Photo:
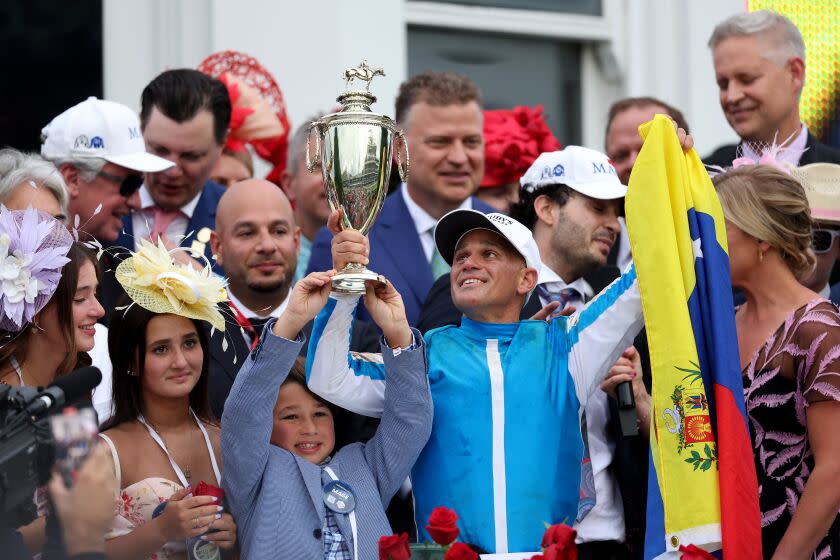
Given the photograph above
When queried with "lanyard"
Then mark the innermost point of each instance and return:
(351, 515)
(178, 472)
(246, 325)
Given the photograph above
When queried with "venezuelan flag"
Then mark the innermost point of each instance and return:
(702, 489)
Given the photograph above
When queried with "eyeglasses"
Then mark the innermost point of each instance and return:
(128, 184)
(823, 239)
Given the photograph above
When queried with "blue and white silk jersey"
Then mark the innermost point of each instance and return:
(505, 449)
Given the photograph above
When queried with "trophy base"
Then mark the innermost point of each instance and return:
(353, 281)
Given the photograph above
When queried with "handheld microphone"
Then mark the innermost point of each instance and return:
(626, 409)
(66, 388)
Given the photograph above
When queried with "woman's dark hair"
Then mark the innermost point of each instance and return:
(524, 212)
(63, 298)
(127, 346)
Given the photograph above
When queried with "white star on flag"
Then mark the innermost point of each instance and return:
(696, 249)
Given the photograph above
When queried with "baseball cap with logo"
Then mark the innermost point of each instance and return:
(99, 129)
(457, 223)
(587, 171)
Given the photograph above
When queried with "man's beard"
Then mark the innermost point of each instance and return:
(280, 287)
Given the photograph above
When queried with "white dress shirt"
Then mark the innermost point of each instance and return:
(605, 522)
(142, 220)
(424, 223)
(276, 312)
(102, 396)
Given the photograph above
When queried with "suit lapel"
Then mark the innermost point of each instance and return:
(311, 475)
(203, 216)
(401, 242)
(810, 153)
(126, 237)
(342, 520)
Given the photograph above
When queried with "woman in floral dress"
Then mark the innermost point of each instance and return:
(789, 342)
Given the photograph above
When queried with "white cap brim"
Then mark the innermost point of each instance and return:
(604, 190)
(451, 228)
(140, 161)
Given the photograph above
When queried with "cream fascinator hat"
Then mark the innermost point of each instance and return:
(154, 281)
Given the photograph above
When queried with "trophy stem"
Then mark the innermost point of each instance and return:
(353, 277)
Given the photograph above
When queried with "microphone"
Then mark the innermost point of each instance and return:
(626, 409)
(66, 388)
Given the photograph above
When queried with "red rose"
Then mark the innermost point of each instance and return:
(442, 526)
(204, 489)
(561, 535)
(557, 552)
(460, 551)
(394, 547)
(692, 552)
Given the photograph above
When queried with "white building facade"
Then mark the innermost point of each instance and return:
(574, 62)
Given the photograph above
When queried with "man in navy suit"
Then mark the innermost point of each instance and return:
(441, 115)
(185, 117)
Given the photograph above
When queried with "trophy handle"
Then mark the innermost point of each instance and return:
(403, 169)
(311, 162)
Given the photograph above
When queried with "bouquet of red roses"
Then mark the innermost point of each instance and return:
(443, 528)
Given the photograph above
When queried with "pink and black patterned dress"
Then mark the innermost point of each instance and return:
(798, 365)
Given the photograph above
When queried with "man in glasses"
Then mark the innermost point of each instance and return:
(98, 147)
(822, 187)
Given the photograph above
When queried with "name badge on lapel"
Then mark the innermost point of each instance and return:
(339, 497)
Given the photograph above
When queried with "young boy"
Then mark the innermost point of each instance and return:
(291, 496)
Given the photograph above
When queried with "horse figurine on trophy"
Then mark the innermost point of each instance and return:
(362, 72)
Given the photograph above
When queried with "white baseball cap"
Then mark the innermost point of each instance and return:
(587, 171)
(457, 223)
(99, 129)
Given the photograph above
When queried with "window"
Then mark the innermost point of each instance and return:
(510, 70)
(52, 60)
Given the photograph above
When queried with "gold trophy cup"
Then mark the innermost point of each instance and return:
(353, 147)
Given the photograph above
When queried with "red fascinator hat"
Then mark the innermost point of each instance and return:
(258, 114)
(513, 139)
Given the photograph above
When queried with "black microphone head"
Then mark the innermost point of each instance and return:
(78, 383)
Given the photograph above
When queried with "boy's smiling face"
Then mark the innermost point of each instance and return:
(302, 424)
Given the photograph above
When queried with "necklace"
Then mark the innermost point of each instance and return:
(185, 468)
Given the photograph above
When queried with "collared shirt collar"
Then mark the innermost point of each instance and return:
(423, 222)
(792, 153)
(187, 209)
(251, 313)
(548, 276)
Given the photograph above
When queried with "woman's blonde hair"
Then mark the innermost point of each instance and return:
(771, 206)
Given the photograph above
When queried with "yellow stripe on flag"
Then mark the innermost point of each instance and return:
(664, 185)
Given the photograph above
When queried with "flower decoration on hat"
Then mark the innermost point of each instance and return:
(258, 114)
(154, 281)
(33, 250)
(513, 139)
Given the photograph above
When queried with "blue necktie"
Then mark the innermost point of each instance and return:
(439, 266)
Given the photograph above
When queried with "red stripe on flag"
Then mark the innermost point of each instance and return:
(739, 510)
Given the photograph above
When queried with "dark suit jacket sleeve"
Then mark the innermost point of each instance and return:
(438, 310)
(321, 256)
